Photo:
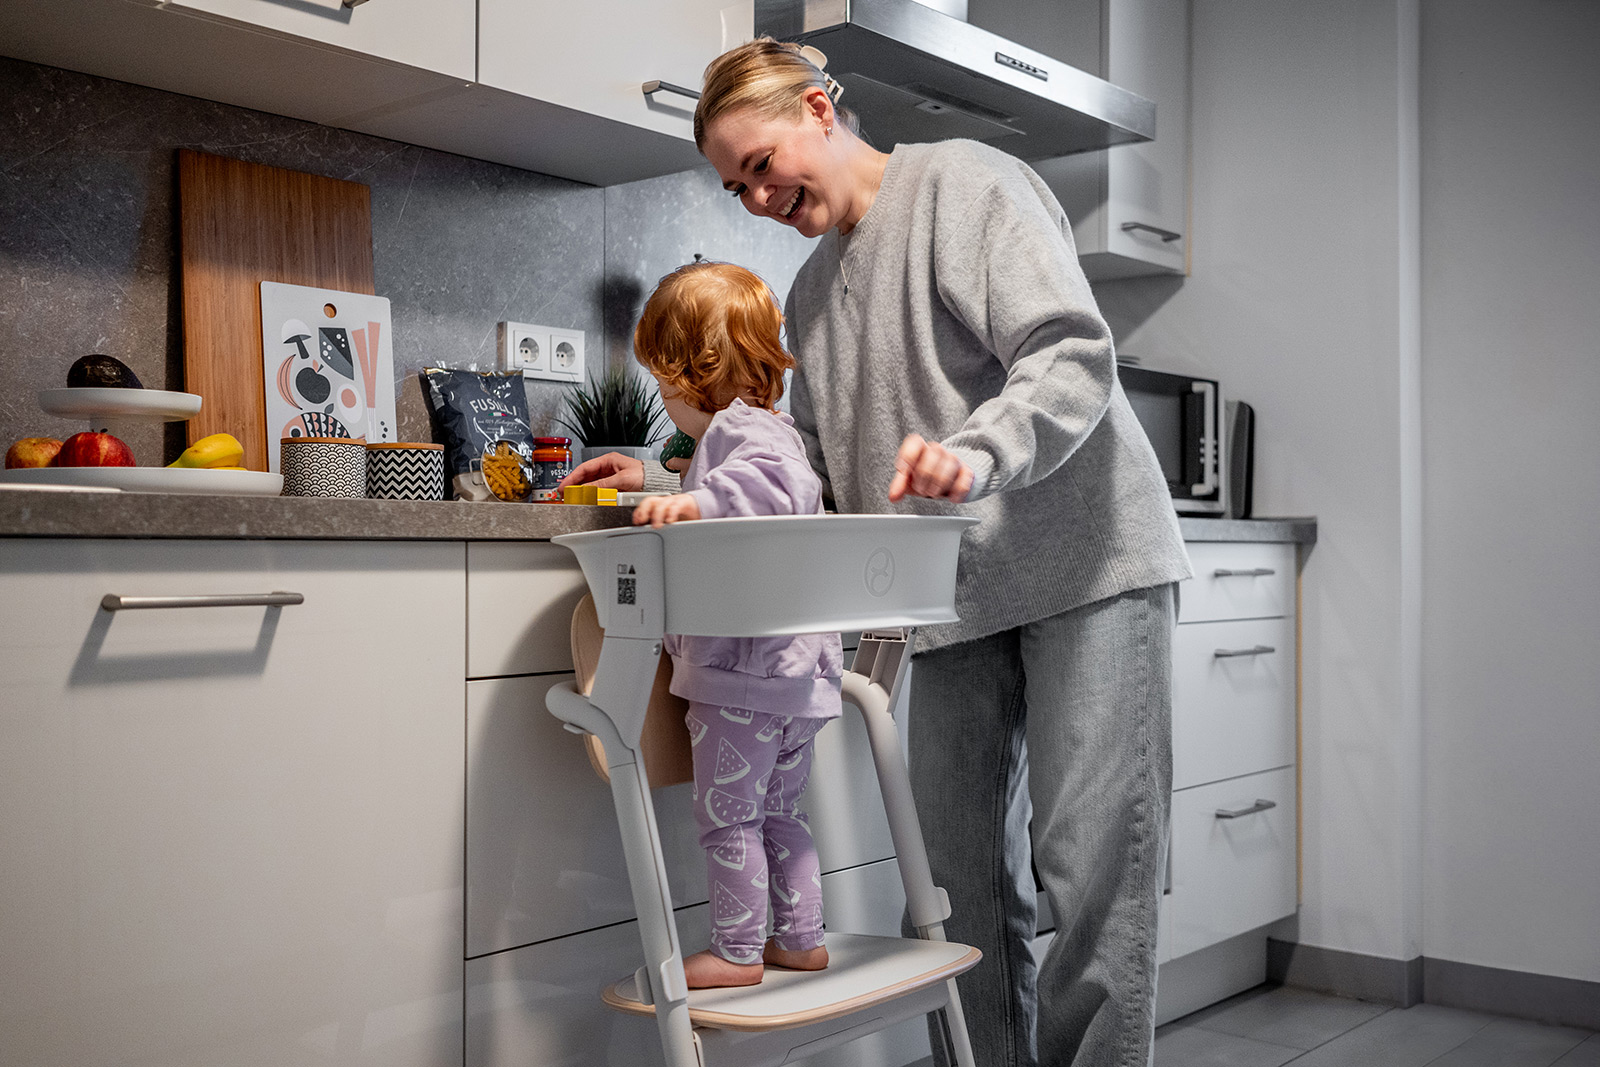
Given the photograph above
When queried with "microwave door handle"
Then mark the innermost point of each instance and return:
(1208, 441)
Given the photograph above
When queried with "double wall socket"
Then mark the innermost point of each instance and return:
(547, 352)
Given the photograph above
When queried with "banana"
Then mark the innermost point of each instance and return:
(217, 451)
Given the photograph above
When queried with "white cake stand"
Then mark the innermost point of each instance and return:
(115, 411)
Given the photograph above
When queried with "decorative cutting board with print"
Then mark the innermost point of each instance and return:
(328, 364)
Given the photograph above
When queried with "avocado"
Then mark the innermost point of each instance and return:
(103, 372)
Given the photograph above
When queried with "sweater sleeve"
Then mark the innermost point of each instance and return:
(658, 479)
(1006, 267)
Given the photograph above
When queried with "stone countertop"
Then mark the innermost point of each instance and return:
(32, 513)
(1300, 530)
(36, 513)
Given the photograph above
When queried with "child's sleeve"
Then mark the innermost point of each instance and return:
(755, 473)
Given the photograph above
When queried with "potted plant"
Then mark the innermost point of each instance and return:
(620, 412)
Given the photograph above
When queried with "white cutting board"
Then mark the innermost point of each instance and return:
(328, 363)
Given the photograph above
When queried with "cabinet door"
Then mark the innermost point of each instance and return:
(594, 56)
(436, 35)
(1237, 580)
(1232, 699)
(1231, 875)
(231, 834)
(520, 597)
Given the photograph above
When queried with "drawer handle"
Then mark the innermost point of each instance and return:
(1259, 650)
(1167, 236)
(651, 88)
(1259, 805)
(113, 602)
(1254, 572)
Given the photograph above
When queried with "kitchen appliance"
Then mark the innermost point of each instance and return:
(1184, 418)
(913, 73)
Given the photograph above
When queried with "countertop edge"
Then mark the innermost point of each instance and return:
(1299, 529)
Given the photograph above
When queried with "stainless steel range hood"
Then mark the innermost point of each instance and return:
(915, 74)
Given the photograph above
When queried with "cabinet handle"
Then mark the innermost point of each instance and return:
(1259, 805)
(1259, 650)
(1167, 236)
(1255, 572)
(113, 602)
(658, 86)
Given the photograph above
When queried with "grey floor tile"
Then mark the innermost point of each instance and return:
(1585, 1055)
(1513, 1043)
(1410, 1037)
(1181, 1045)
(1281, 1015)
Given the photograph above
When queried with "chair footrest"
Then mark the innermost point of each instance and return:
(862, 971)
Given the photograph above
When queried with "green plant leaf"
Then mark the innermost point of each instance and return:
(617, 409)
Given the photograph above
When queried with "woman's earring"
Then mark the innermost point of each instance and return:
(828, 130)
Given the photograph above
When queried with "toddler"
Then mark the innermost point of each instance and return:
(710, 336)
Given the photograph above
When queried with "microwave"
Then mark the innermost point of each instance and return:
(1184, 417)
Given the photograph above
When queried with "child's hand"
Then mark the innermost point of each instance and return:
(660, 510)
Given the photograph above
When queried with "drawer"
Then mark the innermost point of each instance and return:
(1232, 714)
(1237, 580)
(1231, 875)
(539, 1006)
(520, 597)
(544, 855)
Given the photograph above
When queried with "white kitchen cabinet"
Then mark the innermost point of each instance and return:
(520, 597)
(1232, 699)
(1129, 205)
(436, 35)
(231, 834)
(1233, 857)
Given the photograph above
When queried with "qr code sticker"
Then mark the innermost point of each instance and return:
(627, 590)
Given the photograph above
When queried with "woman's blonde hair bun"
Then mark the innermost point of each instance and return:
(769, 76)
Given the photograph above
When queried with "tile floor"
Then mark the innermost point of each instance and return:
(1273, 1025)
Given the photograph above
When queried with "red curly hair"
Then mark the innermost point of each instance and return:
(710, 331)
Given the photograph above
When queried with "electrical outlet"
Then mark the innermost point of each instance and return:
(566, 355)
(525, 348)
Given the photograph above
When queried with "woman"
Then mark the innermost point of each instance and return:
(952, 359)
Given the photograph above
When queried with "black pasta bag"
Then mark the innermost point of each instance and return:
(482, 417)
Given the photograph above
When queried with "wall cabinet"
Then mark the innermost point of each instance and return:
(231, 834)
(1129, 205)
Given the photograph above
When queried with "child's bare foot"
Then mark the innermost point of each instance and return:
(707, 970)
(807, 959)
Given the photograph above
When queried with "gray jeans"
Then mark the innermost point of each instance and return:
(1067, 720)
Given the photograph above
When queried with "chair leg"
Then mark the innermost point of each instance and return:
(658, 929)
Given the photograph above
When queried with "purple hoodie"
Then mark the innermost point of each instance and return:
(752, 462)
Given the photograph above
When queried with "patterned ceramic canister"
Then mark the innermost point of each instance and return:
(323, 466)
(405, 471)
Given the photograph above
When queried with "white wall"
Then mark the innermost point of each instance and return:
(1300, 263)
(1511, 391)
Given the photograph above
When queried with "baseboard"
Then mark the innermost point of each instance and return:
(1203, 978)
(1540, 997)
(1346, 974)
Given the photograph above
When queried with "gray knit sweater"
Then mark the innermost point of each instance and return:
(968, 320)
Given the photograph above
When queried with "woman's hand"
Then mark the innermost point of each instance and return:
(927, 468)
(660, 510)
(610, 471)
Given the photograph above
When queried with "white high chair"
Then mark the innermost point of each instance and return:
(756, 577)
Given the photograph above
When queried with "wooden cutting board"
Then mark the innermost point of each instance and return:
(241, 224)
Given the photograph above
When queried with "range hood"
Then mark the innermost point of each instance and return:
(916, 74)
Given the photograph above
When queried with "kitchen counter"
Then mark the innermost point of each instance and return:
(1299, 530)
(25, 513)
(33, 513)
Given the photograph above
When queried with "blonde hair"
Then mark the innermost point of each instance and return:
(710, 331)
(770, 76)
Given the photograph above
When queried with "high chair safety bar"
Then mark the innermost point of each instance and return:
(754, 577)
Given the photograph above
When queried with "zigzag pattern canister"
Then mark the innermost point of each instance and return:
(323, 466)
(405, 471)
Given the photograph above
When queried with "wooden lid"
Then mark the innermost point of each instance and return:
(405, 444)
(321, 441)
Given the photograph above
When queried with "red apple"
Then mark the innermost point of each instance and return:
(32, 452)
(93, 450)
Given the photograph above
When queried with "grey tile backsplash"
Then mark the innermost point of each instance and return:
(88, 252)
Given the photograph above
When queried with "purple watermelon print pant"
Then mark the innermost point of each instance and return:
(749, 771)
